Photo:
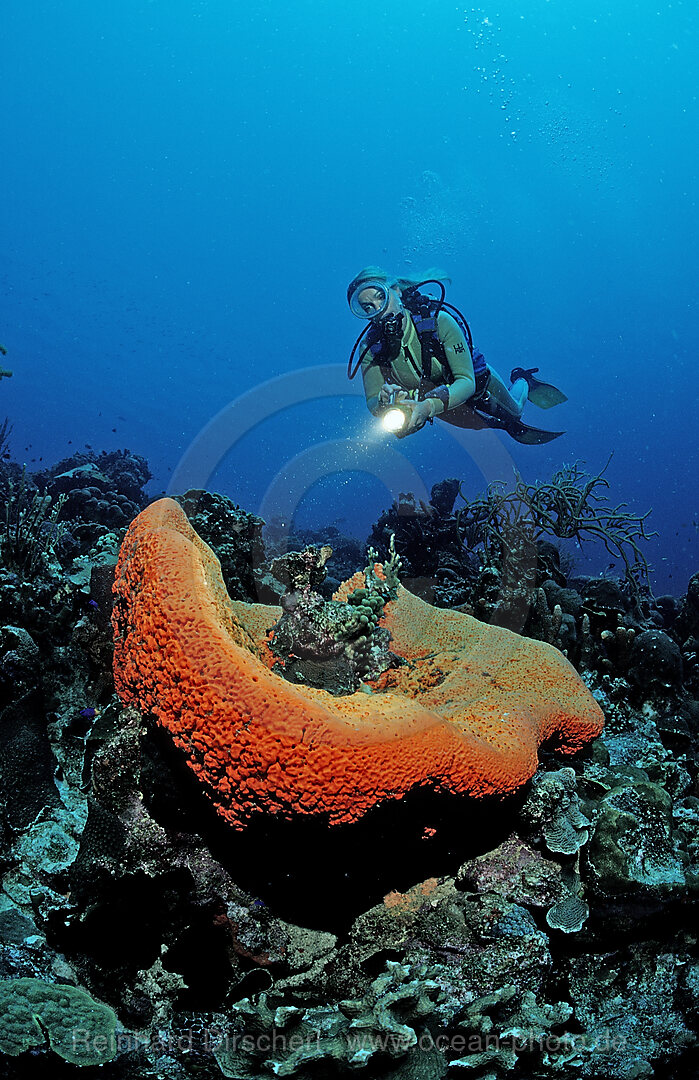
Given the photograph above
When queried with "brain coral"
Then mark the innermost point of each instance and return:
(465, 714)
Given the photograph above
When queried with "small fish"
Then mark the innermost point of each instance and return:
(93, 604)
(88, 713)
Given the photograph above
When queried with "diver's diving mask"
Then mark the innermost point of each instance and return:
(370, 299)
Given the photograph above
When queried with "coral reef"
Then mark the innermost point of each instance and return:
(435, 564)
(493, 555)
(572, 505)
(79, 1030)
(332, 644)
(465, 715)
(100, 492)
(551, 933)
(279, 539)
(236, 538)
(685, 629)
(30, 531)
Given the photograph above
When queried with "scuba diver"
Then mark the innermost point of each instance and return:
(418, 361)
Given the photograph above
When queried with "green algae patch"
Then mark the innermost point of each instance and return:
(78, 1028)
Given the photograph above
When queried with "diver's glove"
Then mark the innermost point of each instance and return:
(391, 392)
(420, 413)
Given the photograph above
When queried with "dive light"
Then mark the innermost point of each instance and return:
(395, 416)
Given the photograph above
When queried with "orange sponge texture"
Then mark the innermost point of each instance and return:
(465, 713)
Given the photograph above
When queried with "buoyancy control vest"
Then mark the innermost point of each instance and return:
(382, 340)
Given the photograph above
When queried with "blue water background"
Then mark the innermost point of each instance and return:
(188, 187)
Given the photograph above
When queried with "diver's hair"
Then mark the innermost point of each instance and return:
(377, 273)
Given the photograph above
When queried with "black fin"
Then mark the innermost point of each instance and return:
(523, 433)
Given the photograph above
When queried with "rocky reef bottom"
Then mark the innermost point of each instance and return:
(550, 934)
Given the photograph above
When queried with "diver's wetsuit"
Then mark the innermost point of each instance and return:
(406, 371)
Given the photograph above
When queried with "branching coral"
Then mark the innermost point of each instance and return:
(572, 505)
(5, 432)
(31, 530)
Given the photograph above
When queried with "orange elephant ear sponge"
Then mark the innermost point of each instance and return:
(466, 714)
